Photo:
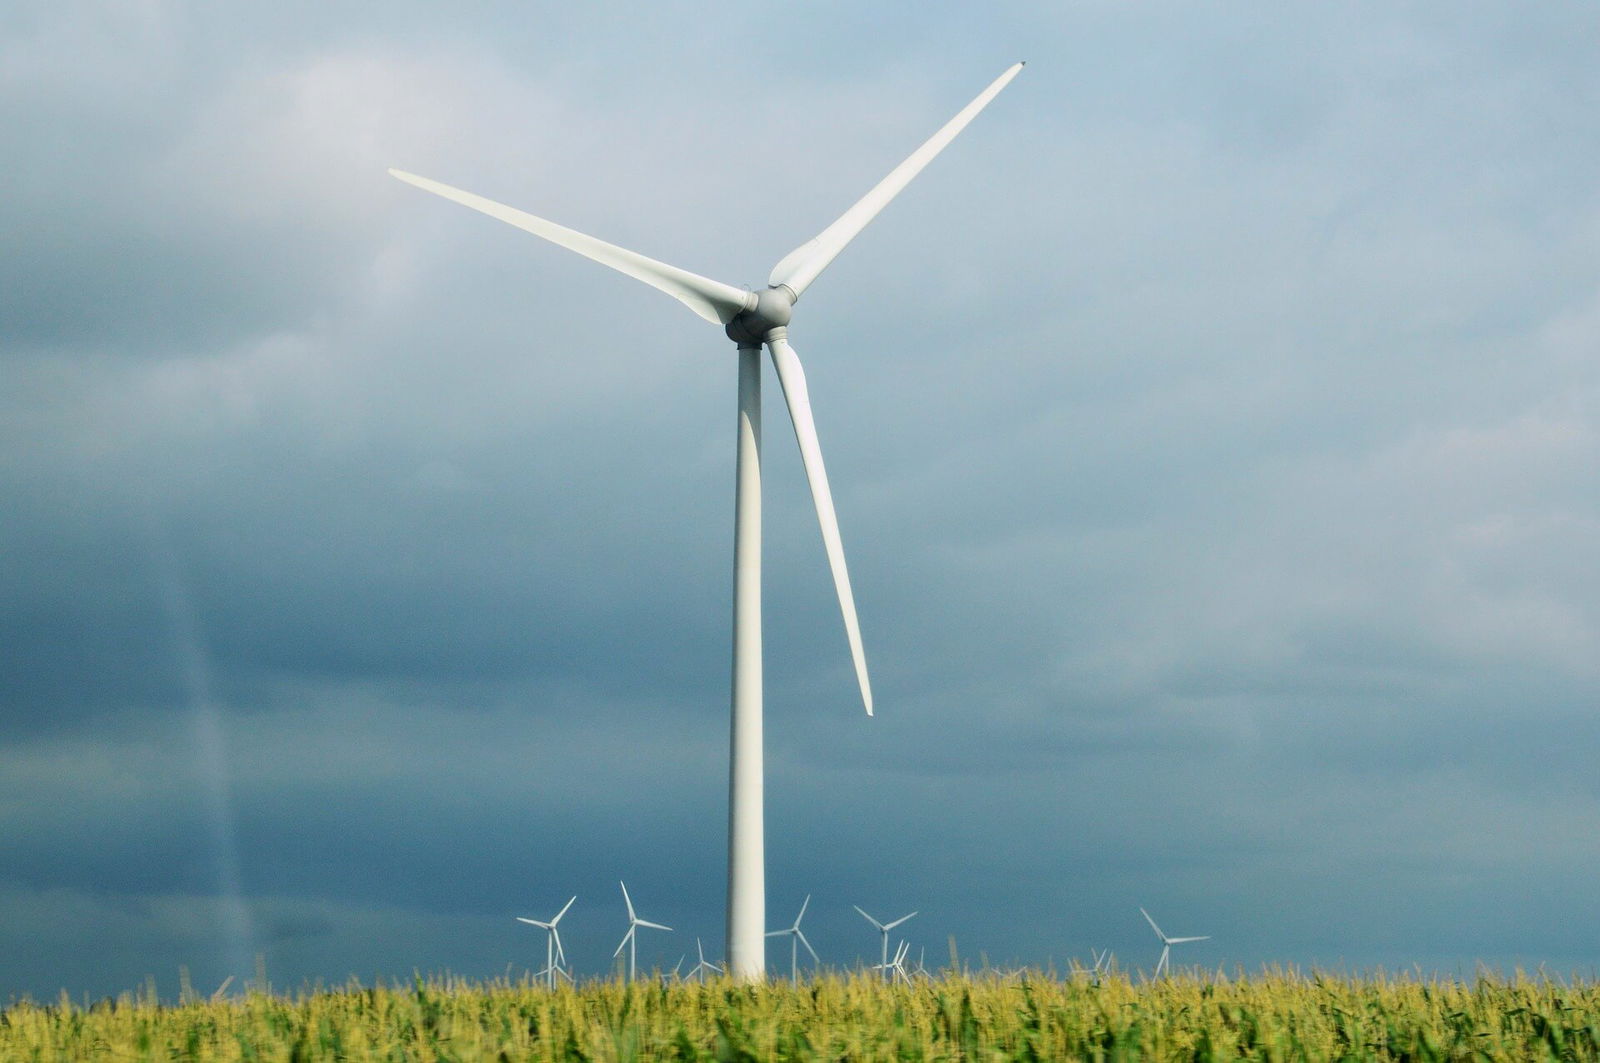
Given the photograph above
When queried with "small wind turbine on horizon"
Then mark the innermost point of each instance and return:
(797, 938)
(1162, 965)
(699, 971)
(751, 319)
(555, 957)
(630, 939)
(895, 970)
(883, 929)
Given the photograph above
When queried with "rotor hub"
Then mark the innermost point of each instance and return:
(773, 308)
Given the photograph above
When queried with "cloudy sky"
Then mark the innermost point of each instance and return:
(1213, 429)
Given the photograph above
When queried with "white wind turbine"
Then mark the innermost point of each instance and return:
(895, 969)
(797, 938)
(554, 956)
(883, 929)
(1166, 944)
(751, 319)
(630, 938)
(704, 967)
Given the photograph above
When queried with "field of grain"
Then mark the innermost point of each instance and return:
(1274, 1015)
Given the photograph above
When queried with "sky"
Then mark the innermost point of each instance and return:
(1213, 431)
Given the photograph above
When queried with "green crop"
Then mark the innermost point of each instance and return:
(1275, 1015)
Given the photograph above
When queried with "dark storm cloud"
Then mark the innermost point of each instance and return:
(1212, 431)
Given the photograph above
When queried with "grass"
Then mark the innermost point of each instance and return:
(1275, 1015)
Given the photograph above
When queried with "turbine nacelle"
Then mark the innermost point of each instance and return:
(766, 310)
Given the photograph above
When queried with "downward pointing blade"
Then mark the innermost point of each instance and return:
(712, 300)
(801, 935)
(623, 943)
(800, 267)
(793, 379)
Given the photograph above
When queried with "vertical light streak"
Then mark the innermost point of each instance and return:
(193, 663)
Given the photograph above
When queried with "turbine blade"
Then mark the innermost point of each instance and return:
(793, 379)
(535, 922)
(800, 267)
(623, 943)
(561, 953)
(778, 933)
(652, 926)
(716, 302)
(628, 901)
(1180, 941)
(562, 912)
(869, 919)
(807, 944)
(897, 922)
(802, 914)
(1152, 923)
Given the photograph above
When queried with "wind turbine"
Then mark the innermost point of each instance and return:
(698, 972)
(1166, 943)
(630, 938)
(797, 938)
(883, 929)
(896, 968)
(751, 319)
(554, 955)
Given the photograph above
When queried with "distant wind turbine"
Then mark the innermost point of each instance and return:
(1166, 944)
(630, 938)
(797, 938)
(883, 929)
(705, 966)
(751, 319)
(896, 969)
(554, 956)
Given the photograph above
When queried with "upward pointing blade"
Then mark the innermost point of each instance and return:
(793, 379)
(628, 901)
(800, 267)
(1152, 923)
(712, 300)
(869, 918)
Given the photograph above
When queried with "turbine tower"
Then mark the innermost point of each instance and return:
(630, 939)
(797, 938)
(1166, 944)
(751, 319)
(554, 956)
(883, 928)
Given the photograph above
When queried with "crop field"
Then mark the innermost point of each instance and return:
(1275, 1015)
